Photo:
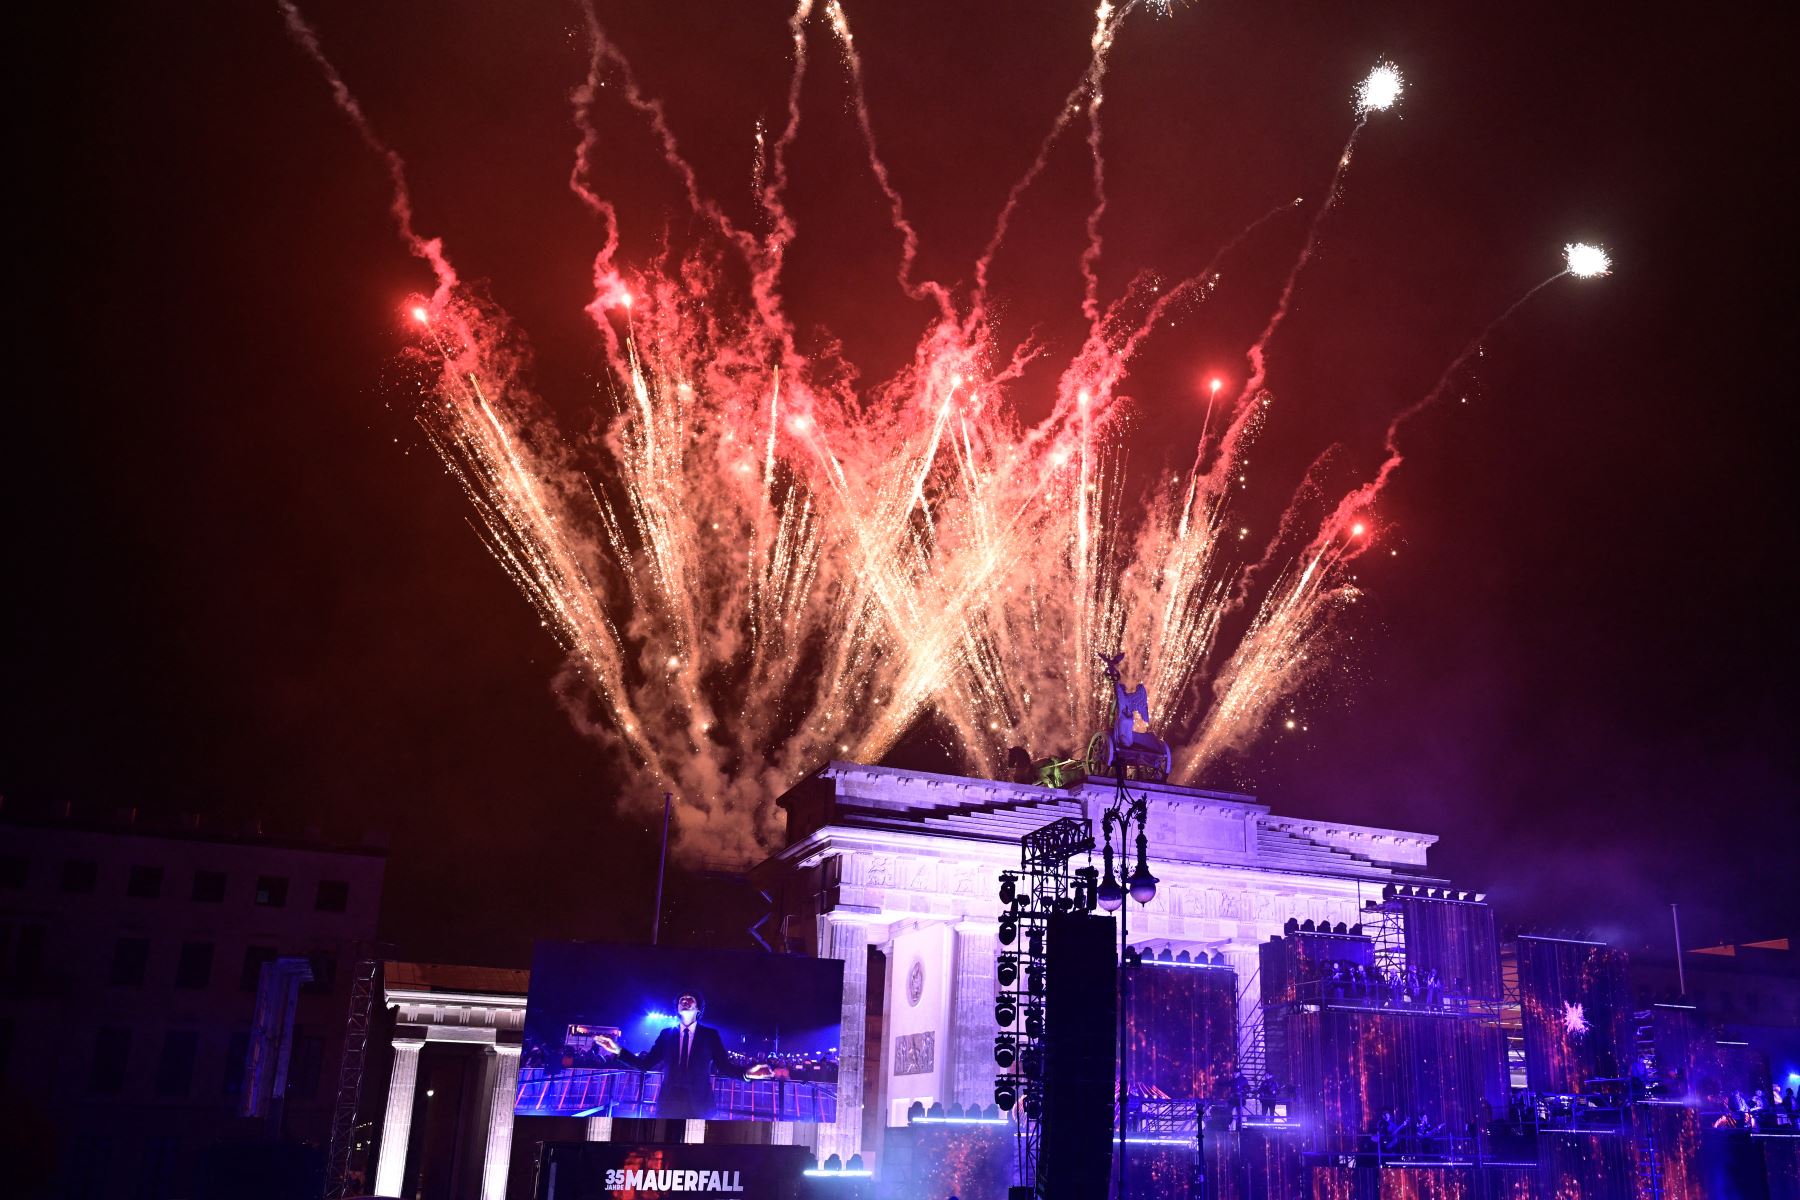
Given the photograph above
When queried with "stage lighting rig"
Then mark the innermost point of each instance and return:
(1006, 1092)
(1007, 968)
(1006, 1050)
(1006, 1011)
(1009, 887)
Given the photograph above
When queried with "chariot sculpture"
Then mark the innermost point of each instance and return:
(1124, 749)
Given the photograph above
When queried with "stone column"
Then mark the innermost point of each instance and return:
(497, 1161)
(971, 1040)
(849, 941)
(396, 1123)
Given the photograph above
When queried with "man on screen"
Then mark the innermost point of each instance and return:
(690, 1054)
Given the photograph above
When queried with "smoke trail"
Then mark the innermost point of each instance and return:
(909, 236)
(430, 250)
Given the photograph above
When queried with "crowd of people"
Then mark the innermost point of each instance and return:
(1394, 1131)
(1763, 1109)
(1367, 983)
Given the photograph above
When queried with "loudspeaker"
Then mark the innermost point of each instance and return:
(1080, 1057)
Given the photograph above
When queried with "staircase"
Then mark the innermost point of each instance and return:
(1646, 1160)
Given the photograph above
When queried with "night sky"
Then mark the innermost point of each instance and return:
(242, 585)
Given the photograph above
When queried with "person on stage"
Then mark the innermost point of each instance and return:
(690, 1055)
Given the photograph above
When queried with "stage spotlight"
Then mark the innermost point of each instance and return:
(1307, 926)
(1034, 1021)
(1009, 887)
(1184, 956)
(1164, 955)
(1341, 928)
(855, 1163)
(833, 1163)
(1006, 1093)
(1356, 929)
(1006, 1050)
(1217, 959)
(1005, 1011)
(1006, 968)
(1033, 1102)
(1009, 929)
(1389, 892)
(1031, 1062)
(936, 1109)
(914, 1111)
(1087, 881)
(1034, 940)
(991, 1112)
(1292, 925)
(1480, 897)
(1034, 978)
(955, 1110)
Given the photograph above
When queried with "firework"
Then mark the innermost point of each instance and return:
(777, 568)
(1586, 262)
(1381, 90)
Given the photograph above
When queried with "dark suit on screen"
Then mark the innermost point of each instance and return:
(687, 1077)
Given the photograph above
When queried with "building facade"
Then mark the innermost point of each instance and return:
(895, 873)
(898, 870)
(130, 957)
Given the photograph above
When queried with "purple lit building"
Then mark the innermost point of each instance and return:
(130, 957)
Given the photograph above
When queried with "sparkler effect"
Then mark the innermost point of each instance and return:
(1381, 90)
(779, 567)
(1585, 261)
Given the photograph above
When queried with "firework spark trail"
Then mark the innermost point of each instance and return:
(430, 250)
(1361, 499)
(784, 568)
(865, 123)
(1107, 22)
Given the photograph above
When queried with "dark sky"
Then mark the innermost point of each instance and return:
(242, 585)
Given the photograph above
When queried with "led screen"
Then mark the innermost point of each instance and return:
(643, 1031)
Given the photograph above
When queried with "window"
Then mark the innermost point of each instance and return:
(80, 875)
(194, 968)
(15, 868)
(271, 891)
(144, 883)
(254, 958)
(23, 955)
(236, 1051)
(131, 958)
(175, 1069)
(303, 1067)
(324, 975)
(112, 1051)
(334, 896)
(209, 886)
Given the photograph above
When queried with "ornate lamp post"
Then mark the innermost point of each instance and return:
(1141, 886)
